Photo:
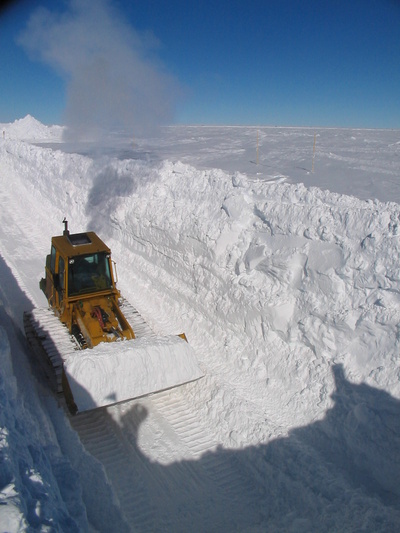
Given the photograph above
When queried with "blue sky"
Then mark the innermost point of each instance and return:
(261, 62)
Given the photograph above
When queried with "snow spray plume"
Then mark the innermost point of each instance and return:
(113, 82)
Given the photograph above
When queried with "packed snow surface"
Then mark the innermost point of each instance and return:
(276, 250)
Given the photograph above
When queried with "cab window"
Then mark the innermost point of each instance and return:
(61, 267)
(89, 273)
(53, 259)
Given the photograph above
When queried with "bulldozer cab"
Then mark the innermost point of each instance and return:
(78, 266)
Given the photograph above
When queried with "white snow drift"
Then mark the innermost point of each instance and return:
(286, 293)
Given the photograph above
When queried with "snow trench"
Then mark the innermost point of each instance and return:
(289, 297)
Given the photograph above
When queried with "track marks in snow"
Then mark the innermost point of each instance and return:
(223, 476)
(196, 485)
(184, 422)
(101, 438)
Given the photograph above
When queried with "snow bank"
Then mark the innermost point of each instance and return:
(30, 129)
(39, 490)
(286, 280)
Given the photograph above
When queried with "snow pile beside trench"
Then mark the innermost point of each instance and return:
(39, 489)
(287, 280)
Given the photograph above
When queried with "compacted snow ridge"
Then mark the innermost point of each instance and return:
(286, 283)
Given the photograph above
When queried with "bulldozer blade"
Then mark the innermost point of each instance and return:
(119, 371)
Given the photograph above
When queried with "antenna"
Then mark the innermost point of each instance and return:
(313, 154)
(257, 148)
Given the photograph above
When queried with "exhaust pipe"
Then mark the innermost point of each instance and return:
(66, 231)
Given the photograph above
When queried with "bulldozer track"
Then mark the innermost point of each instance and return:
(49, 339)
(140, 327)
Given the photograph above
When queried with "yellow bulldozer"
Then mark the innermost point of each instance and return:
(96, 347)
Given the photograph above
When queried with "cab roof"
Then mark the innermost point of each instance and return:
(71, 245)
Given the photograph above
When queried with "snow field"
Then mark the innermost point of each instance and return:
(288, 295)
